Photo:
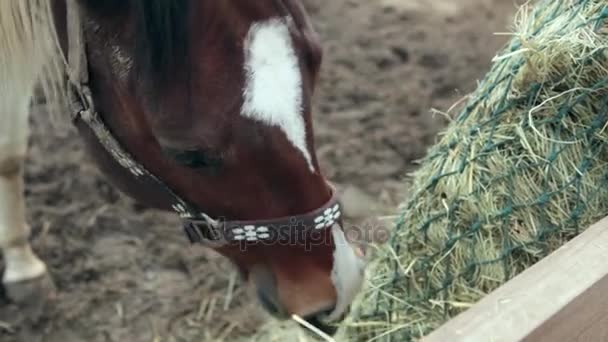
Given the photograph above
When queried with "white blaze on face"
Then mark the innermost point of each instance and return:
(347, 274)
(273, 90)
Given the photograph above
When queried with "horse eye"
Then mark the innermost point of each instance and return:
(194, 158)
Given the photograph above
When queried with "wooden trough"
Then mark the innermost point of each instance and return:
(563, 297)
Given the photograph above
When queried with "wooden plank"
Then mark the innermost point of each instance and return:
(563, 297)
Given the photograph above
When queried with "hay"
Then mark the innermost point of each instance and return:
(521, 170)
(281, 331)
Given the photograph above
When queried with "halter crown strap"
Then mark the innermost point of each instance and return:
(77, 59)
(198, 226)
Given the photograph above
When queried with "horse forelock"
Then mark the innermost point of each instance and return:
(161, 37)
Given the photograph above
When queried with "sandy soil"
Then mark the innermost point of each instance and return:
(125, 273)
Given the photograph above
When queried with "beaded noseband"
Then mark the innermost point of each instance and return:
(198, 226)
(280, 229)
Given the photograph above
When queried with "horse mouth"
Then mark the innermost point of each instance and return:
(315, 326)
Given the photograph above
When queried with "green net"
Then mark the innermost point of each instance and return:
(520, 171)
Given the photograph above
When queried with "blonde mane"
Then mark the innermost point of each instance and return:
(30, 56)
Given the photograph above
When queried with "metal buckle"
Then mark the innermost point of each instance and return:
(203, 232)
(192, 232)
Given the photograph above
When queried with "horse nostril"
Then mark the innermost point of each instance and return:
(267, 291)
(269, 304)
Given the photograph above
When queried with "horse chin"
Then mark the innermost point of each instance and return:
(327, 328)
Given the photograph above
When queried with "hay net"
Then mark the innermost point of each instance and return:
(522, 169)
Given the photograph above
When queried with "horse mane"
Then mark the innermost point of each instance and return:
(161, 29)
(31, 62)
(30, 50)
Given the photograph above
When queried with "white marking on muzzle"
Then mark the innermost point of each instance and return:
(347, 274)
(273, 90)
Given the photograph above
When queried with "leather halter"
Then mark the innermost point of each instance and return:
(198, 226)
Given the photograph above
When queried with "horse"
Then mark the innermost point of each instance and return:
(199, 108)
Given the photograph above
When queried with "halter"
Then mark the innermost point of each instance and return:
(198, 226)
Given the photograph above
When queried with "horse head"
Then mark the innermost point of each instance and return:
(214, 99)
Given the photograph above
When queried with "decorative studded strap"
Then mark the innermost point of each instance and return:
(77, 58)
(279, 229)
(198, 226)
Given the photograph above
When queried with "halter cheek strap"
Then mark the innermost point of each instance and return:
(198, 226)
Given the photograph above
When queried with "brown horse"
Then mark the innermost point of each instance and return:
(198, 107)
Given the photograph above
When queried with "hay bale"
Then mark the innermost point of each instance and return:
(519, 172)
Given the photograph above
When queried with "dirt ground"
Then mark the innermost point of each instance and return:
(125, 273)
